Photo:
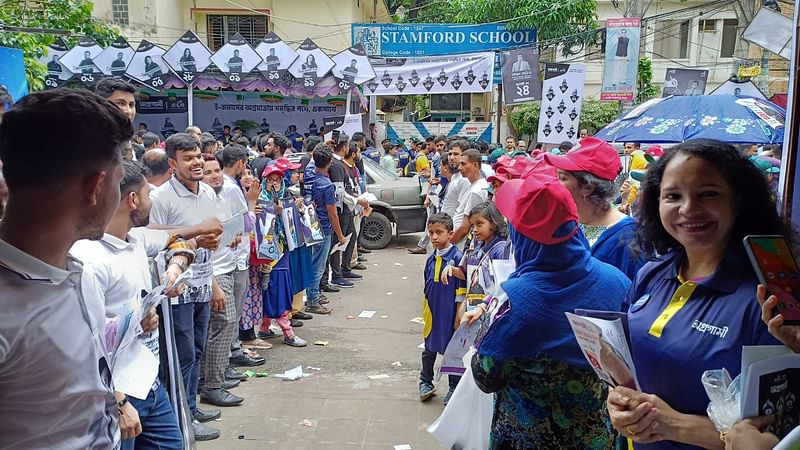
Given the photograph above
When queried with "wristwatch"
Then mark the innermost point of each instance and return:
(122, 402)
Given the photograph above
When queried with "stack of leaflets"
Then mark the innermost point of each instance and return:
(770, 383)
(603, 339)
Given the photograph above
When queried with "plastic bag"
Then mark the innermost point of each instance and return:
(466, 421)
(725, 396)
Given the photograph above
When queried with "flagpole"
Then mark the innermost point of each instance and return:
(190, 102)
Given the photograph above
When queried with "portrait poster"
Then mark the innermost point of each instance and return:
(621, 59)
(236, 58)
(148, 66)
(188, 57)
(562, 97)
(57, 72)
(679, 82)
(114, 60)
(352, 68)
(311, 65)
(521, 76)
(80, 60)
(276, 57)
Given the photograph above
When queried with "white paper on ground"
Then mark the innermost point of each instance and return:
(365, 314)
(135, 370)
(381, 376)
(293, 374)
(402, 447)
(341, 247)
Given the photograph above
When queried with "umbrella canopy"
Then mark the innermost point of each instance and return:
(727, 118)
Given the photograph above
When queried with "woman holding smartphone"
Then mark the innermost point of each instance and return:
(692, 309)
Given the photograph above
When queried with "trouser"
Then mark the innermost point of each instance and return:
(160, 428)
(425, 240)
(340, 261)
(221, 328)
(283, 322)
(426, 375)
(241, 279)
(191, 329)
(319, 258)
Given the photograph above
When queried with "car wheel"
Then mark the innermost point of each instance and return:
(376, 232)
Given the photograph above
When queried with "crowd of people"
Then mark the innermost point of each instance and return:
(654, 233)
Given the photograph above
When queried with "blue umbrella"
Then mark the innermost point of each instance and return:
(726, 118)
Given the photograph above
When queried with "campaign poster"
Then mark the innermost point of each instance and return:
(432, 75)
(346, 124)
(163, 114)
(276, 57)
(188, 57)
(680, 82)
(114, 60)
(236, 58)
(80, 60)
(521, 76)
(562, 96)
(148, 66)
(621, 59)
(311, 65)
(352, 68)
(743, 88)
(57, 72)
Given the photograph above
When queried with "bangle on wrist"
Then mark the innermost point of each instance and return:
(122, 402)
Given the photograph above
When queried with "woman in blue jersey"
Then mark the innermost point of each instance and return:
(693, 308)
(589, 173)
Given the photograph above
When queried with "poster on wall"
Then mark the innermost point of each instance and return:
(621, 59)
(684, 82)
(148, 66)
(432, 75)
(163, 114)
(276, 57)
(235, 58)
(57, 72)
(562, 95)
(188, 57)
(521, 76)
(113, 60)
(311, 65)
(80, 60)
(347, 124)
(352, 68)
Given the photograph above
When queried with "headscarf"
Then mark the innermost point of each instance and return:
(549, 280)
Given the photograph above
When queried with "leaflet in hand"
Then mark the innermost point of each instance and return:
(231, 229)
(460, 343)
(604, 344)
(770, 382)
(341, 247)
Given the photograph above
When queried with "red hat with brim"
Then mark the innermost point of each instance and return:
(501, 161)
(497, 177)
(595, 156)
(540, 208)
(284, 164)
(269, 170)
(539, 167)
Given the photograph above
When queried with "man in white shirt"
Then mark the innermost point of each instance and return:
(470, 166)
(183, 201)
(55, 379)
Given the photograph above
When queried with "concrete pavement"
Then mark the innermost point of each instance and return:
(344, 408)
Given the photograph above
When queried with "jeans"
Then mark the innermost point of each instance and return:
(340, 261)
(160, 428)
(191, 329)
(319, 258)
(426, 375)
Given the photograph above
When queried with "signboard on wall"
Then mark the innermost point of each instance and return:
(424, 39)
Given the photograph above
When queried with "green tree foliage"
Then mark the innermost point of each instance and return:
(74, 16)
(645, 89)
(594, 116)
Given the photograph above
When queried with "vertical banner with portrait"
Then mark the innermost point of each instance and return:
(689, 82)
(621, 59)
(188, 57)
(521, 75)
(311, 65)
(562, 96)
(352, 68)
(57, 72)
(236, 58)
(80, 60)
(148, 66)
(276, 57)
(114, 60)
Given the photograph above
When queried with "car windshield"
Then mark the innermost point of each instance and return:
(377, 173)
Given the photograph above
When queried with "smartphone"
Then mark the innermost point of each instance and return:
(335, 135)
(776, 268)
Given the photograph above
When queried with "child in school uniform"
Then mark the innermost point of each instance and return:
(440, 303)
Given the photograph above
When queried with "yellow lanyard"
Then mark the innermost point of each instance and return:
(679, 299)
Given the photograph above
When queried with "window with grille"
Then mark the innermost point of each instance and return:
(221, 28)
(707, 25)
(119, 11)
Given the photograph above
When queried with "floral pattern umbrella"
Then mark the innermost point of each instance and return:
(726, 118)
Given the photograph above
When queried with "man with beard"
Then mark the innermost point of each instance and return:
(223, 322)
(184, 201)
(119, 270)
(56, 377)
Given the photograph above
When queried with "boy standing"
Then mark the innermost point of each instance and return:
(439, 305)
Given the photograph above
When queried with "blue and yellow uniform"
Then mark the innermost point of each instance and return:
(439, 306)
(403, 158)
(373, 154)
(681, 328)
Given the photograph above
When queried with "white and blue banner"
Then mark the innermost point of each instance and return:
(426, 39)
(397, 131)
(562, 97)
(432, 75)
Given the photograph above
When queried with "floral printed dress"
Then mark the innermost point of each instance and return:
(542, 403)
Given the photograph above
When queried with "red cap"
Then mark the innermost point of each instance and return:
(284, 164)
(595, 156)
(538, 167)
(540, 208)
(269, 170)
(502, 178)
(503, 160)
(655, 151)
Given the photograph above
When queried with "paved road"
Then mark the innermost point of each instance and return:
(346, 409)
